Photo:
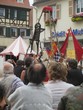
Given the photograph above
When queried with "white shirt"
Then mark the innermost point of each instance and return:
(57, 89)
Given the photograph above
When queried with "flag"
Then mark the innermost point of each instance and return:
(49, 51)
(77, 47)
(57, 56)
(64, 46)
(54, 47)
(52, 50)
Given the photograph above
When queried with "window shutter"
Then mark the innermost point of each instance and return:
(7, 32)
(71, 7)
(58, 10)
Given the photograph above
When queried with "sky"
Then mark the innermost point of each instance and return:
(31, 2)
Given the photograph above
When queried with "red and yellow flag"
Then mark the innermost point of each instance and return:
(54, 47)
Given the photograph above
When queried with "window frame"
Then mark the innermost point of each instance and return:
(78, 5)
(15, 32)
(23, 30)
(3, 30)
(3, 13)
(54, 14)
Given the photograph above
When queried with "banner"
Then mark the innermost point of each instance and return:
(71, 54)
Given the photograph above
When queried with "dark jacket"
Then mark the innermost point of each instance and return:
(75, 77)
(18, 70)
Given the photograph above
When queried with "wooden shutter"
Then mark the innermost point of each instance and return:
(58, 11)
(71, 5)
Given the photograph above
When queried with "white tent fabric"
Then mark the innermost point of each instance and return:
(19, 46)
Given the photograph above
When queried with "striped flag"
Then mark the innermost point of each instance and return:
(57, 56)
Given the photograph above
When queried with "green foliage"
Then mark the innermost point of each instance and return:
(77, 18)
(52, 22)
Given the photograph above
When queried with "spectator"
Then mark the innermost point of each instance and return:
(11, 61)
(28, 61)
(73, 100)
(74, 76)
(19, 68)
(9, 80)
(3, 101)
(34, 96)
(57, 85)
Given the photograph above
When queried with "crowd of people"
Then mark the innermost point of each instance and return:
(29, 84)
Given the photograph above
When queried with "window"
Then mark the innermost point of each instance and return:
(20, 1)
(8, 32)
(13, 14)
(47, 16)
(13, 32)
(79, 6)
(7, 13)
(53, 12)
(22, 32)
(22, 15)
(2, 31)
(2, 12)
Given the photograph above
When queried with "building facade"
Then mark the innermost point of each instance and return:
(65, 14)
(15, 20)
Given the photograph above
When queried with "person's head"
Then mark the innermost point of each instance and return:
(37, 73)
(72, 63)
(57, 71)
(28, 61)
(8, 68)
(2, 97)
(9, 60)
(20, 63)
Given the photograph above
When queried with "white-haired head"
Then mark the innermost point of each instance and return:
(8, 68)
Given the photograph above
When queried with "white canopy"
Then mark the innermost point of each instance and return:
(19, 46)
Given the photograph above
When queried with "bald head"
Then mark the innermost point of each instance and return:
(37, 67)
(8, 68)
(37, 73)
